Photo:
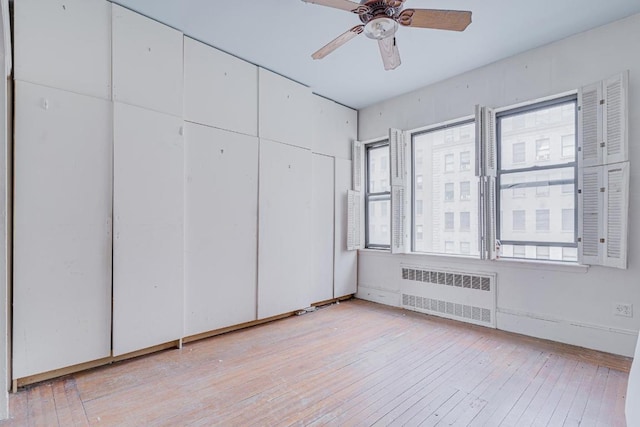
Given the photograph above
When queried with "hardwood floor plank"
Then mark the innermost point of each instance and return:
(352, 364)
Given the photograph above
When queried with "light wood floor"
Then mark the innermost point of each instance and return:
(355, 363)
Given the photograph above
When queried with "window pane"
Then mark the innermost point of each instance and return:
(465, 247)
(542, 252)
(538, 137)
(378, 178)
(379, 224)
(520, 199)
(445, 207)
(542, 220)
(568, 216)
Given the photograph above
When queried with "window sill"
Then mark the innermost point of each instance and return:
(547, 265)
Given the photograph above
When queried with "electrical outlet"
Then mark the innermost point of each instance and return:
(625, 310)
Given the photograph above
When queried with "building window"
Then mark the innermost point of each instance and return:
(448, 163)
(537, 222)
(465, 221)
(519, 251)
(440, 191)
(448, 247)
(568, 220)
(465, 161)
(519, 223)
(465, 190)
(448, 221)
(542, 189)
(519, 153)
(448, 192)
(542, 252)
(465, 248)
(570, 254)
(542, 220)
(543, 150)
(377, 197)
(568, 145)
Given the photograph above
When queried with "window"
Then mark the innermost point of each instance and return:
(465, 221)
(448, 247)
(542, 188)
(542, 219)
(448, 192)
(465, 248)
(448, 163)
(568, 145)
(519, 251)
(543, 149)
(536, 190)
(437, 206)
(519, 152)
(570, 254)
(519, 222)
(542, 252)
(568, 220)
(448, 221)
(465, 190)
(377, 196)
(465, 161)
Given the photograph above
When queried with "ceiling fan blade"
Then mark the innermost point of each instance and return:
(337, 42)
(453, 20)
(347, 5)
(390, 53)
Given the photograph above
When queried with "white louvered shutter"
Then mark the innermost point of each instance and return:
(357, 165)
(590, 205)
(590, 125)
(397, 156)
(354, 223)
(616, 198)
(399, 191)
(480, 145)
(490, 145)
(492, 217)
(615, 119)
(482, 218)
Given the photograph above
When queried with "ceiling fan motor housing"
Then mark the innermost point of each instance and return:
(380, 18)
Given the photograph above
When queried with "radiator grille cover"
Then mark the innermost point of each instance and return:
(465, 296)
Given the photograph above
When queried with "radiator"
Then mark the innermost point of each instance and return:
(459, 295)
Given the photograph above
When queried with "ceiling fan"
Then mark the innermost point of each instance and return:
(380, 19)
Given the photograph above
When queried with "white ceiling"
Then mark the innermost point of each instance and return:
(281, 35)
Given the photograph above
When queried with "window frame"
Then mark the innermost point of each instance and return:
(521, 110)
(376, 196)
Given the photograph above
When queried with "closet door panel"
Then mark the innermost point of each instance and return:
(147, 63)
(62, 229)
(148, 253)
(221, 222)
(284, 253)
(322, 226)
(64, 44)
(220, 89)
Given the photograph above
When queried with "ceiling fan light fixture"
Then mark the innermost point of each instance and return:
(380, 28)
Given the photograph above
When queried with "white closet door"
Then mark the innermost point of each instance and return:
(345, 261)
(285, 110)
(221, 221)
(147, 63)
(62, 229)
(334, 127)
(284, 255)
(322, 221)
(148, 229)
(64, 44)
(219, 89)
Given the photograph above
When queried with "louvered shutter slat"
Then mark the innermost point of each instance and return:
(398, 219)
(590, 202)
(617, 193)
(490, 142)
(353, 220)
(615, 119)
(357, 162)
(590, 125)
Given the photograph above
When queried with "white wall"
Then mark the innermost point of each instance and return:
(562, 303)
(633, 391)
